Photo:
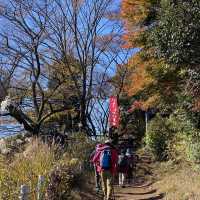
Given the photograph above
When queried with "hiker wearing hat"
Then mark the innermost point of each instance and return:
(107, 158)
(96, 167)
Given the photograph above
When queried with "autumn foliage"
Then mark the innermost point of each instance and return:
(135, 15)
(139, 76)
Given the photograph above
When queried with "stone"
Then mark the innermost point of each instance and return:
(28, 139)
(6, 151)
(2, 144)
(19, 141)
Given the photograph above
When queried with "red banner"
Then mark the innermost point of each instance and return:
(114, 115)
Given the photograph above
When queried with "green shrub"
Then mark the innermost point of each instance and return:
(175, 137)
(158, 137)
(81, 148)
(193, 150)
(189, 135)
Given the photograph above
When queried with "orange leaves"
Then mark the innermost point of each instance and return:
(136, 105)
(132, 39)
(139, 78)
(137, 16)
(134, 11)
(196, 105)
(133, 14)
(144, 105)
(150, 102)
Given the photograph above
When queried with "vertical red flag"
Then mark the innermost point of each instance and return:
(114, 115)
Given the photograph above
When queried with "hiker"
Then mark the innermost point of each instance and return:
(96, 167)
(107, 158)
(130, 159)
(122, 167)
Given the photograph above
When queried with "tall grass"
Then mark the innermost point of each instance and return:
(40, 159)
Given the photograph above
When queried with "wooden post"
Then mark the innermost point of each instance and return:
(24, 192)
(39, 187)
(146, 121)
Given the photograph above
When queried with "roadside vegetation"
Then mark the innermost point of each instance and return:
(72, 56)
(64, 170)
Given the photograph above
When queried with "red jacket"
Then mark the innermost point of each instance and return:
(114, 159)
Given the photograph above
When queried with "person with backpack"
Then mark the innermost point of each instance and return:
(96, 167)
(122, 167)
(132, 160)
(130, 166)
(107, 157)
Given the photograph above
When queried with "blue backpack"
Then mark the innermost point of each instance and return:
(105, 159)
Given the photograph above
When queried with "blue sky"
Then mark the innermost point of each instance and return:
(122, 57)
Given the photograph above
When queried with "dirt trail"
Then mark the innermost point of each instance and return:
(138, 192)
(143, 187)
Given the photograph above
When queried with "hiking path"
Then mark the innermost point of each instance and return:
(143, 186)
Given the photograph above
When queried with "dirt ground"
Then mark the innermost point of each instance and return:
(143, 186)
(156, 181)
(138, 191)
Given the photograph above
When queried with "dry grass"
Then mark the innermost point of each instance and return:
(25, 168)
(178, 182)
(38, 159)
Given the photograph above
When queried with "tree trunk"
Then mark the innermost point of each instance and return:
(18, 115)
(83, 118)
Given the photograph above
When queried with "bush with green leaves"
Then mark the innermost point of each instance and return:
(176, 37)
(186, 126)
(175, 137)
(193, 150)
(158, 137)
(165, 135)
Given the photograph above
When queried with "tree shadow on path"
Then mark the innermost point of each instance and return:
(139, 193)
(157, 197)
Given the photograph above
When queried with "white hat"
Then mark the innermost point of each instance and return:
(107, 141)
(128, 152)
